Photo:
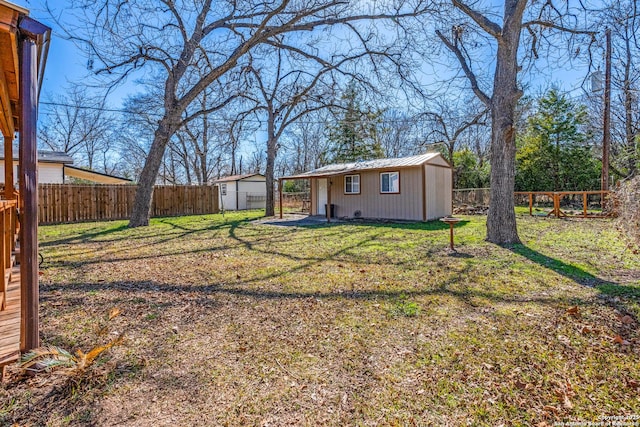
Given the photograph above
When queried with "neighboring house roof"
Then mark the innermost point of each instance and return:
(237, 177)
(54, 157)
(341, 168)
(89, 175)
(44, 156)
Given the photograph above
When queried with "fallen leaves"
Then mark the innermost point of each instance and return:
(538, 349)
(627, 320)
(564, 391)
(524, 386)
(573, 311)
(619, 340)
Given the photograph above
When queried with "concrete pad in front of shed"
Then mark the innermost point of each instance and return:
(296, 220)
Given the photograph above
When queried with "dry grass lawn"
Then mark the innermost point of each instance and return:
(232, 322)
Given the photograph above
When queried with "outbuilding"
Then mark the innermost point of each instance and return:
(416, 188)
(242, 192)
(56, 167)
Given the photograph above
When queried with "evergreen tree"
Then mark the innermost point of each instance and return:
(355, 136)
(469, 172)
(553, 154)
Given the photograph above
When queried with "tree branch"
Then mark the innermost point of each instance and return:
(467, 70)
(486, 24)
(549, 24)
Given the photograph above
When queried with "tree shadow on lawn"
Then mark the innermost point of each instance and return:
(165, 238)
(311, 223)
(60, 261)
(358, 226)
(577, 274)
(85, 237)
(181, 232)
(186, 293)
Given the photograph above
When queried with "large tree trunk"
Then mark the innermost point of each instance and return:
(271, 162)
(501, 220)
(142, 202)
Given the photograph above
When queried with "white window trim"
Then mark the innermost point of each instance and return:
(390, 173)
(345, 184)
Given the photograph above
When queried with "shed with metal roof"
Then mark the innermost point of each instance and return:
(415, 188)
(242, 192)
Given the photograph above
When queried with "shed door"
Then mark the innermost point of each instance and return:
(322, 196)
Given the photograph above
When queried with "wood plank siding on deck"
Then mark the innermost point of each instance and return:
(24, 45)
(10, 321)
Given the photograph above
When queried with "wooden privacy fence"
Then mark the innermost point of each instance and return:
(76, 203)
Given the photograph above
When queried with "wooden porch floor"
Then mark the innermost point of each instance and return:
(10, 321)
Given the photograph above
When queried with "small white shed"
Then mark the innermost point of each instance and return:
(242, 192)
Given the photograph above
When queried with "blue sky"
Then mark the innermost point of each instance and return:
(64, 62)
(68, 63)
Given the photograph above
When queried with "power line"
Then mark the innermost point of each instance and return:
(413, 120)
(91, 107)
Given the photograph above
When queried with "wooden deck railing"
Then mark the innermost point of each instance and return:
(9, 226)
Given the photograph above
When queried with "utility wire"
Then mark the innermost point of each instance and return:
(412, 120)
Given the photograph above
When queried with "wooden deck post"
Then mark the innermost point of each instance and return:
(8, 167)
(29, 192)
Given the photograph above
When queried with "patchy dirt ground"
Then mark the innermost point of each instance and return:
(231, 322)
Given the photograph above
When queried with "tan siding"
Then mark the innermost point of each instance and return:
(438, 191)
(406, 205)
(439, 160)
(313, 210)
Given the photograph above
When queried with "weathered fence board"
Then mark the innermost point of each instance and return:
(586, 204)
(59, 203)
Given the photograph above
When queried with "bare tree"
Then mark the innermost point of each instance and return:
(400, 133)
(448, 124)
(537, 20)
(305, 142)
(190, 44)
(287, 88)
(79, 125)
(623, 20)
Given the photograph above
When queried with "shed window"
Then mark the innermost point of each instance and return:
(352, 184)
(390, 182)
(223, 189)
